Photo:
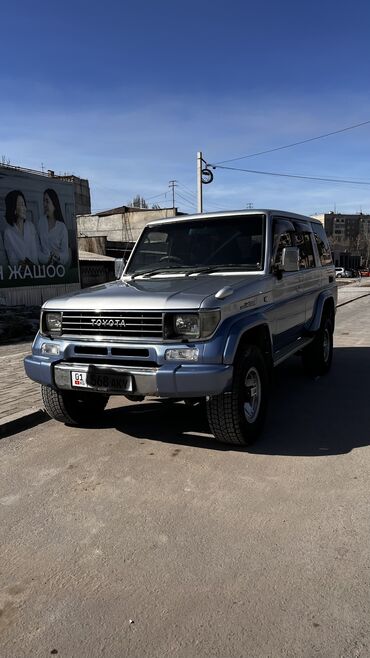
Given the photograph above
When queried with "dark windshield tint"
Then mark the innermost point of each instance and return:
(237, 240)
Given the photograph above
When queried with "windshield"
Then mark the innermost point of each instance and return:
(236, 241)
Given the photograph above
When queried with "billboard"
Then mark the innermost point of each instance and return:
(38, 232)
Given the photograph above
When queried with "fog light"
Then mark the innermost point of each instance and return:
(182, 354)
(50, 348)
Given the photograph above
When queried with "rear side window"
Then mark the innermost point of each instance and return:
(322, 243)
(304, 244)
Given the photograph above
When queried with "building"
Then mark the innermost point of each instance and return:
(320, 217)
(349, 237)
(81, 190)
(114, 232)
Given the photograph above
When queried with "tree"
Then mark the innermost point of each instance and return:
(139, 202)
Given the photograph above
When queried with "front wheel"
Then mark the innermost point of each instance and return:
(73, 408)
(237, 416)
(318, 355)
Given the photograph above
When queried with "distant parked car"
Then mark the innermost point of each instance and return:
(341, 272)
(365, 272)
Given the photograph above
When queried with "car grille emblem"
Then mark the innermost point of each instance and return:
(105, 322)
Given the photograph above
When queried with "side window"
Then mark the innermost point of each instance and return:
(306, 256)
(322, 243)
(285, 240)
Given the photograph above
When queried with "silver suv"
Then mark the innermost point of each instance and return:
(206, 307)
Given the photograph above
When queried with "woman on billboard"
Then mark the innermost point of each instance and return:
(20, 237)
(3, 258)
(53, 231)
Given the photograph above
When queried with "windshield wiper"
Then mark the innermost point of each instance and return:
(207, 269)
(156, 270)
(220, 268)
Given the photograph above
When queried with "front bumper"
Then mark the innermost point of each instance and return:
(169, 380)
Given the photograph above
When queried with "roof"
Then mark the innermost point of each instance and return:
(111, 211)
(124, 209)
(90, 255)
(232, 213)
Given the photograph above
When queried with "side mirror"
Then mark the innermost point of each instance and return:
(289, 259)
(119, 266)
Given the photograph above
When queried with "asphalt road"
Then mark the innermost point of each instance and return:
(208, 550)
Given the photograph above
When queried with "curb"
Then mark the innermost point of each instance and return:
(21, 421)
(349, 301)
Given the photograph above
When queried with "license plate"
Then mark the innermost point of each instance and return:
(79, 379)
(102, 380)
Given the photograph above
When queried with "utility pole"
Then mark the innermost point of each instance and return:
(204, 177)
(199, 182)
(172, 184)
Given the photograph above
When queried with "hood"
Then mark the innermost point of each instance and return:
(156, 293)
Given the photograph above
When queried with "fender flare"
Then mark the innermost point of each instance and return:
(320, 303)
(237, 330)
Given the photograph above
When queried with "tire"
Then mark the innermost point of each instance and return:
(237, 416)
(73, 408)
(317, 356)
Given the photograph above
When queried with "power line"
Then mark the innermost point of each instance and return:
(214, 206)
(271, 173)
(188, 194)
(303, 141)
(191, 203)
(156, 196)
(188, 190)
(188, 197)
(187, 202)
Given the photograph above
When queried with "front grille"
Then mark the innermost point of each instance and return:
(113, 324)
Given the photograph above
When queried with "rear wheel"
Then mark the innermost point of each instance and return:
(318, 355)
(237, 416)
(73, 408)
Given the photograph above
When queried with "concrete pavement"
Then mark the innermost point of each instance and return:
(20, 398)
(142, 538)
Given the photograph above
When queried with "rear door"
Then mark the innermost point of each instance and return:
(324, 255)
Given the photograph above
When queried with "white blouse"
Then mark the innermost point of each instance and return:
(18, 247)
(54, 241)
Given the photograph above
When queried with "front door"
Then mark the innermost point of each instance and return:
(310, 274)
(289, 303)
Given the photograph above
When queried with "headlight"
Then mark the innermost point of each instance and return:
(187, 324)
(52, 323)
(194, 325)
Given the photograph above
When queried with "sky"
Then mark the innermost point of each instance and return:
(125, 93)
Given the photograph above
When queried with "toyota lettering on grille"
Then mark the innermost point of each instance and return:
(104, 322)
